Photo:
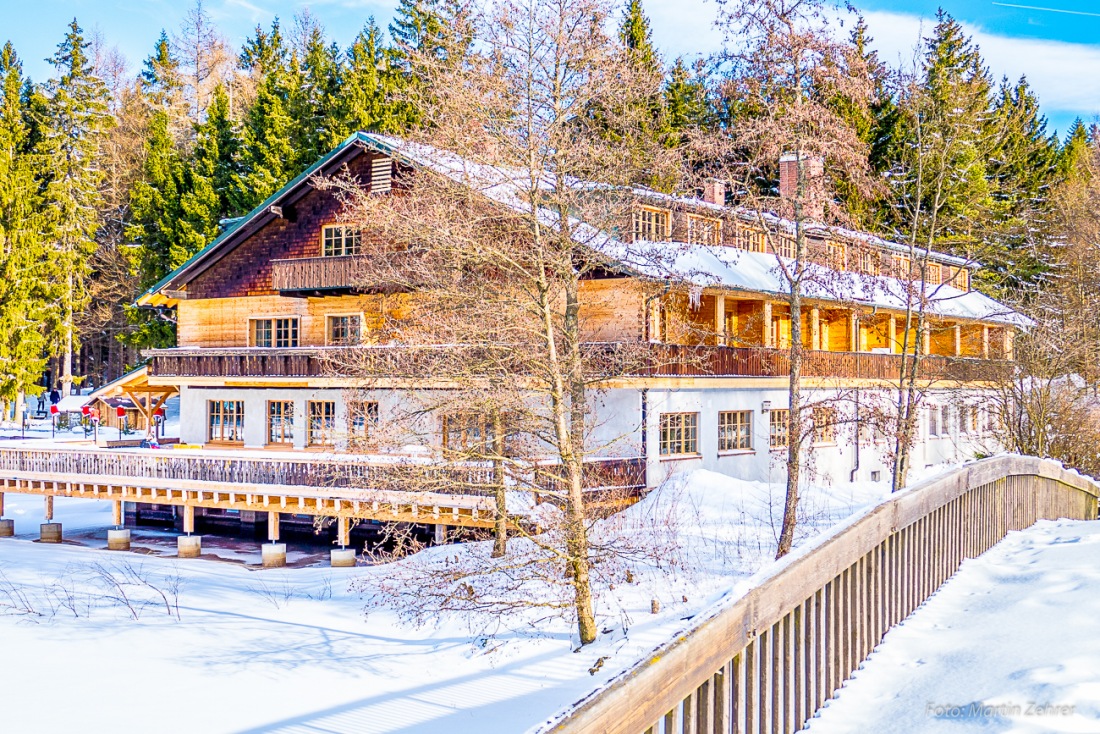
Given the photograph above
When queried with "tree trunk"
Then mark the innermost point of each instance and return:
(794, 428)
(500, 544)
(574, 459)
(67, 359)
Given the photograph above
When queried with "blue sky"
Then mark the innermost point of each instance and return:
(1056, 43)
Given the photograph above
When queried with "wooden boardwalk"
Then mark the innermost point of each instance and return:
(767, 661)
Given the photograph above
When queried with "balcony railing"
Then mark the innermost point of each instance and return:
(316, 273)
(611, 360)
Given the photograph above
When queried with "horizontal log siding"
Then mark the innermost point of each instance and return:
(766, 662)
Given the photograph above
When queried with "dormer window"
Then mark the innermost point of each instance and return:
(651, 224)
(703, 230)
(339, 240)
(961, 280)
(932, 275)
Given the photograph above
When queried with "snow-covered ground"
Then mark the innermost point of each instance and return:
(218, 646)
(1010, 644)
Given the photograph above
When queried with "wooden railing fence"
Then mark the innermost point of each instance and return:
(768, 661)
(466, 479)
(316, 273)
(651, 360)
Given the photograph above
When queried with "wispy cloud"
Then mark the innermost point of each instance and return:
(1048, 10)
(1066, 76)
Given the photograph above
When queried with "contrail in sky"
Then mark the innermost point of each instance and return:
(1049, 10)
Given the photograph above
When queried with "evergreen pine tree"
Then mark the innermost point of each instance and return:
(1074, 152)
(1022, 170)
(22, 286)
(264, 51)
(315, 104)
(369, 86)
(686, 100)
(268, 157)
(174, 214)
(76, 118)
(160, 76)
(943, 132)
(217, 153)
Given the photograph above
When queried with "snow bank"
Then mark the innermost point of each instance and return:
(297, 639)
(1010, 643)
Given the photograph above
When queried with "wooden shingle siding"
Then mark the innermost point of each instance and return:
(246, 271)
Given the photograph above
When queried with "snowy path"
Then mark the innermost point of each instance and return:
(1011, 643)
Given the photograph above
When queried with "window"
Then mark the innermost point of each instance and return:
(900, 265)
(280, 421)
(968, 419)
(961, 280)
(734, 430)
(933, 420)
(824, 425)
(945, 420)
(838, 255)
(704, 230)
(344, 329)
(679, 433)
(362, 418)
(322, 423)
(868, 262)
(339, 240)
(932, 275)
(783, 245)
(651, 224)
(466, 432)
(749, 239)
(778, 428)
(280, 333)
(226, 421)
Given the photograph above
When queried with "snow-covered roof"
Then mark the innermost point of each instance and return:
(714, 266)
(756, 272)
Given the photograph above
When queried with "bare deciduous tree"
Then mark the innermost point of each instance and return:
(787, 67)
(496, 231)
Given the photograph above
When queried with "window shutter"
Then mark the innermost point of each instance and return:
(381, 170)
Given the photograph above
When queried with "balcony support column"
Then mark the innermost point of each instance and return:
(894, 347)
(985, 342)
(653, 318)
(720, 319)
(853, 332)
(958, 340)
(769, 336)
(815, 328)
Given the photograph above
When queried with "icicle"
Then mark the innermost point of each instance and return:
(695, 296)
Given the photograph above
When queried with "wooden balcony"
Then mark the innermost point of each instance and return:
(683, 361)
(611, 360)
(316, 275)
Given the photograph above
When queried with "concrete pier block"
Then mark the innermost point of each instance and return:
(49, 532)
(118, 540)
(7, 528)
(189, 546)
(342, 557)
(274, 555)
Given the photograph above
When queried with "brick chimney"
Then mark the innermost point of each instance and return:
(813, 181)
(714, 192)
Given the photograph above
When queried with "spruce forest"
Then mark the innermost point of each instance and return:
(110, 178)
